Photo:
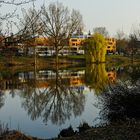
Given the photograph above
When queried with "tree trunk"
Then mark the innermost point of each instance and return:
(56, 51)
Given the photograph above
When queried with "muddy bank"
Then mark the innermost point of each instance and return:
(129, 130)
(118, 131)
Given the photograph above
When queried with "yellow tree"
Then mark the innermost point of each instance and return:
(96, 77)
(95, 48)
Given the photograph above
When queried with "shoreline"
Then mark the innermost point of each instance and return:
(21, 61)
(119, 131)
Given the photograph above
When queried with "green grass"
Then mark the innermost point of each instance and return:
(110, 59)
(75, 56)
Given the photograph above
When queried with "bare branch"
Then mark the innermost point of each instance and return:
(59, 24)
(15, 2)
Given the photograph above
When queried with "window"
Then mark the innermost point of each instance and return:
(110, 43)
(74, 40)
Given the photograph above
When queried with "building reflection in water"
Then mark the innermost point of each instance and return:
(61, 97)
(55, 95)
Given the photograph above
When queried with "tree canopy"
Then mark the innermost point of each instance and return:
(95, 48)
(101, 30)
(59, 23)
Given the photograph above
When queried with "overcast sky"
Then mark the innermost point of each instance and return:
(112, 14)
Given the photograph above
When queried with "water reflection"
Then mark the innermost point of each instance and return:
(121, 102)
(129, 73)
(56, 96)
(98, 78)
(1, 99)
(55, 89)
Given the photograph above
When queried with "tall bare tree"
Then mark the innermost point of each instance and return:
(7, 15)
(59, 24)
(122, 42)
(15, 2)
(30, 25)
(101, 30)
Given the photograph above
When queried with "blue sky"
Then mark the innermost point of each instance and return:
(113, 14)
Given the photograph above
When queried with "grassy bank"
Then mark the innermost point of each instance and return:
(23, 63)
(120, 59)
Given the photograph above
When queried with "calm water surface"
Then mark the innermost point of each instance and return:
(42, 102)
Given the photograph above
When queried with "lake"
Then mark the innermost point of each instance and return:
(42, 102)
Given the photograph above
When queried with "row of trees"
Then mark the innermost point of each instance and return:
(58, 23)
(55, 21)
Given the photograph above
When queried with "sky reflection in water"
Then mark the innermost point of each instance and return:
(44, 102)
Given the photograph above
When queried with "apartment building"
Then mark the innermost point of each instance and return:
(76, 41)
(41, 41)
(111, 45)
(74, 45)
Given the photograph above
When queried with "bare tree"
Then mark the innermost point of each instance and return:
(133, 45)
(30, 25)
(122, 42)
(101, 30)
(120, 35)
(7, 20)
(6, 17)
(16, 3)
(59, 24)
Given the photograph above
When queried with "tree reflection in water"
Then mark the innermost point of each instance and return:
(96, 77)
(2, 100)
(8, 83)
(57, 102)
